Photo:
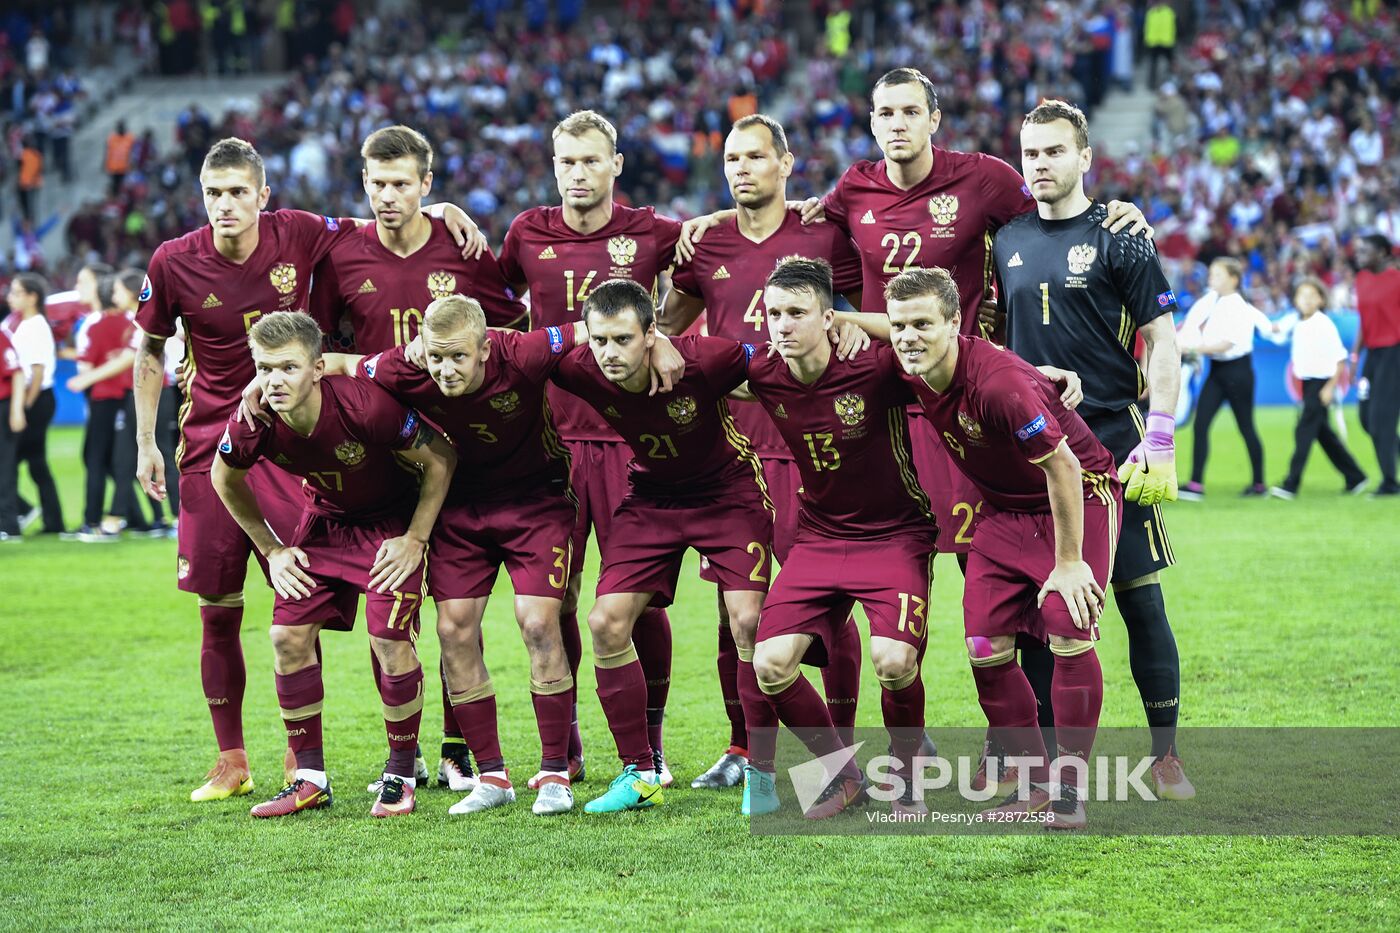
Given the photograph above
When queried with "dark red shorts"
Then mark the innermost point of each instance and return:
(650, 537)
(1013, 554)
(783, 481)
(213, 550)
(341, 556)
(530, 535)
(956, 501)
(823, 577)
(599, 478)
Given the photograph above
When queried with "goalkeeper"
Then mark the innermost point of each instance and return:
(1075, 296)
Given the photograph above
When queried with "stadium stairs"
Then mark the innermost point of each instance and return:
(1123, 120)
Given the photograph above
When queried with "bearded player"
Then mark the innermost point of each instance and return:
(560, 254)
(725, 280)
(694, 482)
(363, 531)
(1076, 295)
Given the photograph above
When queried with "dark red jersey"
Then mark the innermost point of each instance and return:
(999, 417)
(504, 433)
(560, 266)
(110, 334)
(347, 464)
(219, 301)
(382, 295)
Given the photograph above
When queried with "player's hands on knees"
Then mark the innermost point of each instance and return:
(284, 568)
(150, 468)
(811, 210)
(413, 352)
(667, 366)
(1072, 391)
(464, 232)
(252, 404)
(849, 340)
(1126, 214)
(395, 562)
(1082, 594)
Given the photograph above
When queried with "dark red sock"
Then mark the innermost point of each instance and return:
(841, 680)
(728, 666)
(652, 638)
(222, 672)
(623, 693)
(301, 695)
(761, 718)
(903, 710)
(477, 720)
(402, 696)
(1009, 702)
(450, 729)
(803, 711)
(552, 716)
(573, 653)
(1076, 693)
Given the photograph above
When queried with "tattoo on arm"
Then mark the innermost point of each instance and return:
(426, 435)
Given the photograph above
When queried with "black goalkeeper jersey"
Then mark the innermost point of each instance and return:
(1074, 296)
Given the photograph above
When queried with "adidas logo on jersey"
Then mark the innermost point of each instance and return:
(720, 273)
(548, 253)
(780, 411)
(869, 218)
(611, 412)
(1014, 261)
(367, 287)
(212, 302)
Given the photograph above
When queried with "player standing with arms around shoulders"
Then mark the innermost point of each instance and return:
(725, 280)
(347, 440)
(559, 254)
(1074, 295)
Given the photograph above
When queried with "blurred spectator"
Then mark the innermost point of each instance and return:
(29, 181)
(117, 160)
(1159, 38)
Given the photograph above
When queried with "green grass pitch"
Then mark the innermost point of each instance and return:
(1284, 612)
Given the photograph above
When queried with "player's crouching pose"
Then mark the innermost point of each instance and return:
(865, 534)
(345, 439)
(693, 481)
(1043, 550)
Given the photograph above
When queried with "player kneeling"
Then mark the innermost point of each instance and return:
(1043, 548)
(345, 439)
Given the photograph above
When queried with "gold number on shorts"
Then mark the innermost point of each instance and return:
(754, 314)
(760, 557)
(328, 480)
(483, 433)
(561, 563)
(968, 511)
(570, 296)
(408, 604)
(657, 441)
(825, 456)
(248, 318)
(1045, 302)
(406, 324)
(1151, 539)
(912, 239)
(913, 612)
